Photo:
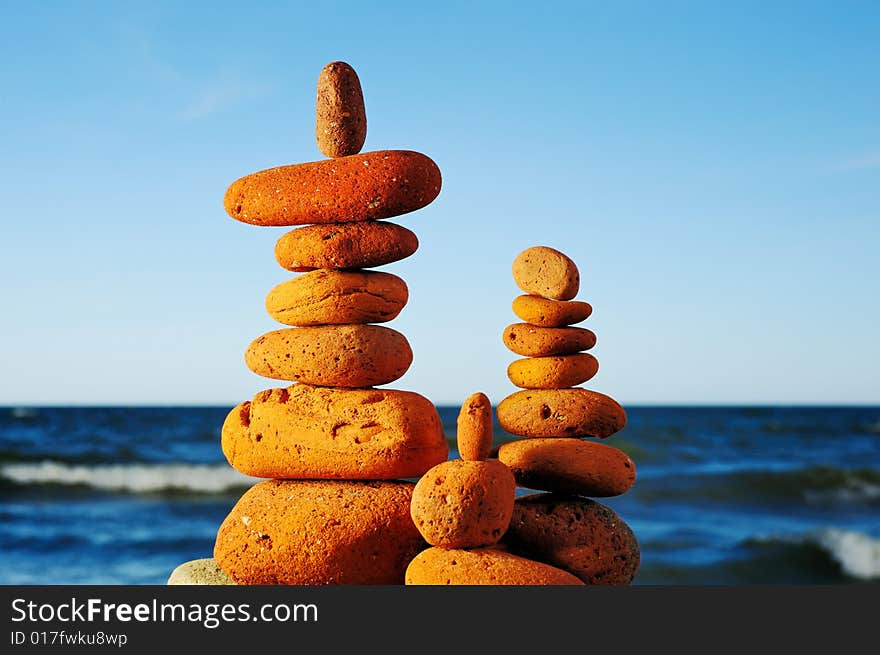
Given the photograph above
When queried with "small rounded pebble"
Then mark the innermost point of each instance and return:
(570, 466)
(559, 372)
(578, 535)
(543, 312)
(199, 572)
(531, 341)
(546, 272)
(341, 120)
(344, 245)
(331, 355)
(318, 532)
(331, 297)
(475, 428)
(463, 504)
(560, 413)
(482, 566)
(362, 187)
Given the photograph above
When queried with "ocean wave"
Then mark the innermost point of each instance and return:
(856, 554)
(130, 478)
(815, 485)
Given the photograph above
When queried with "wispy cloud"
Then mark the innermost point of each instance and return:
(217, 95)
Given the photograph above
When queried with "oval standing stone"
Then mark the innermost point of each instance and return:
(474, 428)
(341, 120)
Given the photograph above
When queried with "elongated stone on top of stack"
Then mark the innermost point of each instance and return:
(335, 446)
(564, 528)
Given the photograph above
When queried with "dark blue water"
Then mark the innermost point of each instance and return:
(723, 495)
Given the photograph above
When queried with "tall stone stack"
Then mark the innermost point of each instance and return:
(334, 446)
(565, 527)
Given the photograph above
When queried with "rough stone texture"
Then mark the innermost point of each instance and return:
(561, 413)
(557, 372)
(331, 355)
(326, 297)
(571, 466)
(462, 504)
(304, 432)
(370, 185)
(544, 312)
(340, 116)
(531, 341)
(543, 271)
(578, 535)
(287, 532)
(344, 245)
(475, 428)
(482, 566)
(199, 572)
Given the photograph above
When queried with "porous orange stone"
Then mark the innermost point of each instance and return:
(474, 428)
(557, 372)
(543, 271)
(531, 341)
(544, 312)
(344, 245)
(570, 466)
(286, 532)
(341, 120)
(304, 432)
(578, 535)
(331, 355)
(361, 187)
(462, 504)
(560, 413)
(482, 566)
(327, 297)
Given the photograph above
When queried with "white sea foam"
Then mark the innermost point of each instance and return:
(857, 553)
(134, 478)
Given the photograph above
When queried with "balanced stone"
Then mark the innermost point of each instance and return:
(463, 504)
(370, 185)
(543, 271)
(474, 428)
(199, 572)
(531, 341)
(571, 466)
(341, 120)
(344, 245)
(559, 372)
(561, 413)
(319, 532)
(331, 355)
(304, 432)
(482, 566)
(550, 313)
(578, 535)
(325, 297)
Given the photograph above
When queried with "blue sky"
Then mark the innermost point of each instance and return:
(713, 168)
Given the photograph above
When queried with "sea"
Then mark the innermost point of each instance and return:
(723, 495)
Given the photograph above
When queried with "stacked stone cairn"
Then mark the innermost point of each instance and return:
(463, 508)
(337, 450)
(564, 527)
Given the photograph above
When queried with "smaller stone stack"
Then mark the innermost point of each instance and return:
(565, 527)
(463, 508)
